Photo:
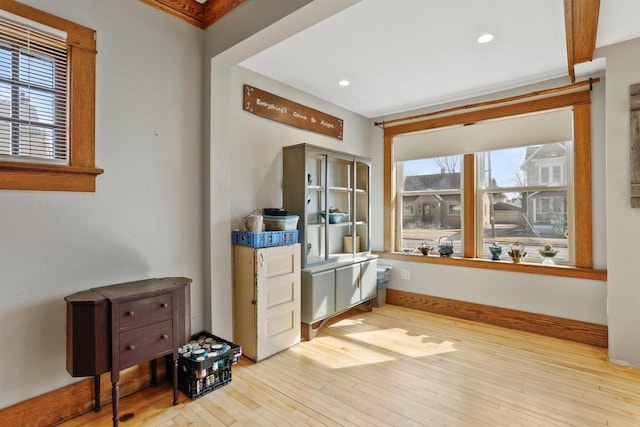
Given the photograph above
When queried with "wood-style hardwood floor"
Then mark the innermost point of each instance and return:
(401, 367)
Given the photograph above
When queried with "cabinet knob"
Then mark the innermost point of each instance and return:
(253, 302)
(131, 347)
(164, 305)
(130, 313)
(164, 336)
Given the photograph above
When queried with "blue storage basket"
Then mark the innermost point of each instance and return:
(265, 239)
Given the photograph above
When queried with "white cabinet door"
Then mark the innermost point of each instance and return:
(368, 278)
(318, 295)
(347, 286)
(278, 298)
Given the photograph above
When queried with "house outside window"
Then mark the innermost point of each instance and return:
(432, 191)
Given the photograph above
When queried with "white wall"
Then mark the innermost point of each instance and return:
(241, 24)
(244, 170)
(145, 218)
(246, 165)
(570, 298)
(623, 222)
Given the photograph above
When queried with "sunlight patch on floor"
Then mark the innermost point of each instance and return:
(370, 346)
(395, 340)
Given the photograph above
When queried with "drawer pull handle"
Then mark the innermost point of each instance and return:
(164, 336)
(130, 313)
(131, 347)
(164, 305)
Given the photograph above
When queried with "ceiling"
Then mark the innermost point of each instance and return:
(402, 55)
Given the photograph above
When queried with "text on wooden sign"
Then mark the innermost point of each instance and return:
(270, 106)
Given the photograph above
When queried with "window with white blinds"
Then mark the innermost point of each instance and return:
(33, 93)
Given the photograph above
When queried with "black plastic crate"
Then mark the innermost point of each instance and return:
(195, 387)
(197, 378)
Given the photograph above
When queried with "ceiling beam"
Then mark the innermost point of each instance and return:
(199, 14)
(581, 27)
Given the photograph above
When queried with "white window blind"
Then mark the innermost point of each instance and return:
(33, 91)
(518, 131)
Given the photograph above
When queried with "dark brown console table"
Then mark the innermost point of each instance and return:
(111, 328)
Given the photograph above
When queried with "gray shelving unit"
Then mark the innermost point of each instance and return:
(338, 269)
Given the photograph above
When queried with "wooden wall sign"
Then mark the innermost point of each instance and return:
(270, 106)
(634, 121)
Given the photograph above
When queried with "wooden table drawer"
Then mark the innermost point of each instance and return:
(145, 310)
(145, 343)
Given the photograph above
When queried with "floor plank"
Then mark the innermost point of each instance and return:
(400, 367)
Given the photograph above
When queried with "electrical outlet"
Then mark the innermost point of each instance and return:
(405, 274)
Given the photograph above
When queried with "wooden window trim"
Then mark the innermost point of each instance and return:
(580, 101)
(81, 173)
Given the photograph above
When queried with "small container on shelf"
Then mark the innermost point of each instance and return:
(335, 217)
(280, 222)
(547, 253)
(275, 211)
(426, 248)
(496, 251)
(517, 252)
(445, 246)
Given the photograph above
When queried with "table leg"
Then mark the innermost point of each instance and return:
(115, 400)
(154, 379)
(96, 393)
(175, 381)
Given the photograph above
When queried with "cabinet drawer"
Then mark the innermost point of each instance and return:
(146, 310)
(146, 343)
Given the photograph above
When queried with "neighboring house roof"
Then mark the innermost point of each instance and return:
(544, 151)
(451, 198)
(439, 181)
(504, 206)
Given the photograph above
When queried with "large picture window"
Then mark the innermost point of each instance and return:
(522, 176)
(514, 205)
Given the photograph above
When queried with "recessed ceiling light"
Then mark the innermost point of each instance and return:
(344, 82)
(485, 38)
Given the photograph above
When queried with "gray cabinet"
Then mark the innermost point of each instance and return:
(334, 289)
(330, 192)
(368, 280)
(318, 295)
(347, 286)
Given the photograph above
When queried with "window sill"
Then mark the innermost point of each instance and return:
(522, 267)
(43, 177)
